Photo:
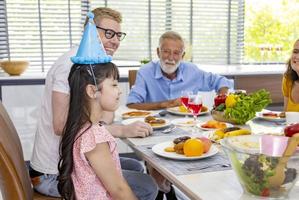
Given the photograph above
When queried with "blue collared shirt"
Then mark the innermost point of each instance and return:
(152, 86)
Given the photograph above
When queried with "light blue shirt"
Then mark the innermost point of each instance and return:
(152, 86)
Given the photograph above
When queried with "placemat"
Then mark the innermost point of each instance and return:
(175, 131)
(218, 162)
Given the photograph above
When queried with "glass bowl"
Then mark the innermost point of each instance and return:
(254, 159)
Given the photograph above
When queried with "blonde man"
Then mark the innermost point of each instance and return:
(55, 103)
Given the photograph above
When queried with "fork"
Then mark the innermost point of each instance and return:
(207, 166)
(168, 130)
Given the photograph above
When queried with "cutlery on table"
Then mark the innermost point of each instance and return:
(168, 130)
(207, 166)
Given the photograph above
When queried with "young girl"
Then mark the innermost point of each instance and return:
(290, 82)
(89, 165)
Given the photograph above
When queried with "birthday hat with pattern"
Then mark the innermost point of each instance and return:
(91, 49)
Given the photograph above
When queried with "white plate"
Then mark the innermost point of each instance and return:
(176, 111)
(186, 122)
(143, 113)
(159, 150)
(273, 119)
(212, 129)
(131, 120)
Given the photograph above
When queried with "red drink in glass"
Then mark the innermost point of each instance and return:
(184, 101)
(195, 108)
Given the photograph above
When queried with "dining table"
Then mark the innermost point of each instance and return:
(210, 178)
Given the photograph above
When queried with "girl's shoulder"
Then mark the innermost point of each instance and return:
(92, 135)
(96, 132)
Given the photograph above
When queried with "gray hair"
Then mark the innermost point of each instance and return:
(171, 35)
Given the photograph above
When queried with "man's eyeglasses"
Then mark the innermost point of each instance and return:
(111, 33)
(168, 52)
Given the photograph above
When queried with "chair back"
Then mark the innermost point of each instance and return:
(14, 178)
(132, 77)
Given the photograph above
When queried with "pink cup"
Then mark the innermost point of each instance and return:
(272, 145)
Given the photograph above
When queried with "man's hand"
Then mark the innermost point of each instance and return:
(223, 90)
(155, 105)
(173, 103)
(137, 129)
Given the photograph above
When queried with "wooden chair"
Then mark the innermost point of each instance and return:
(14, 177)
(132, 77)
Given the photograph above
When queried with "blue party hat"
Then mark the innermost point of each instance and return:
(91, 50)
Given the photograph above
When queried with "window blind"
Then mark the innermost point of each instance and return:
(212, 29)
(41, 30)
(4, 46)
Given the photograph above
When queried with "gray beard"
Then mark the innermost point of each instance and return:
(167, 70)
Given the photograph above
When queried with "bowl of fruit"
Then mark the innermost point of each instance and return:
(238, 108)
(265, 165)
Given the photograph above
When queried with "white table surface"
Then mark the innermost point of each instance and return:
(218, 185)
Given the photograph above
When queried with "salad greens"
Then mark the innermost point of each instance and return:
(254, 173)
(247, 105)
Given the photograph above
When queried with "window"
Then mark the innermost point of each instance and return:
(41, 30)
(213, 29)
(271, 28)
(4, 48)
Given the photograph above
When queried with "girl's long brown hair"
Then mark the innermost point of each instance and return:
(78, 115)
(290, 73)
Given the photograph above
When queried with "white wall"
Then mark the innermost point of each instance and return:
(22, 104)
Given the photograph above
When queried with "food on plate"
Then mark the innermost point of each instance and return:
(213, 124)
(282, 115)
(238, 108)
(190, 146)
(274, 115)
(169, 149)
(181, 139)
(292, 129)
(179, 144)
(183, 109)
(193, 147)
(179, 147)
(153, 121)
(206, 144)
(228, 132)
(135, 114)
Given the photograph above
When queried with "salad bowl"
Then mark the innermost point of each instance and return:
(254, 159)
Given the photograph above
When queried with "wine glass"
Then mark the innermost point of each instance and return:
(195, 105)
(184, 98)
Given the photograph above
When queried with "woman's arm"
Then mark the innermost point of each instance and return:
(285, 103)
(101, 161)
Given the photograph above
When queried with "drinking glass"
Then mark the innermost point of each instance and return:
(195, 105)
(184, 99)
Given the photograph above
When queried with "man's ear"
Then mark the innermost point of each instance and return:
(91, 91)
(184, 54)
(158, 52)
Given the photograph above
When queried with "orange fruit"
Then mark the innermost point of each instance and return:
(193, 147)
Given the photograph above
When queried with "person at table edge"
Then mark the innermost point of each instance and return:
(159, 83)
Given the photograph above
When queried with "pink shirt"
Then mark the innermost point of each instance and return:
(86, 183)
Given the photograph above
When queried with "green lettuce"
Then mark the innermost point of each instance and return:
(247, 106)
